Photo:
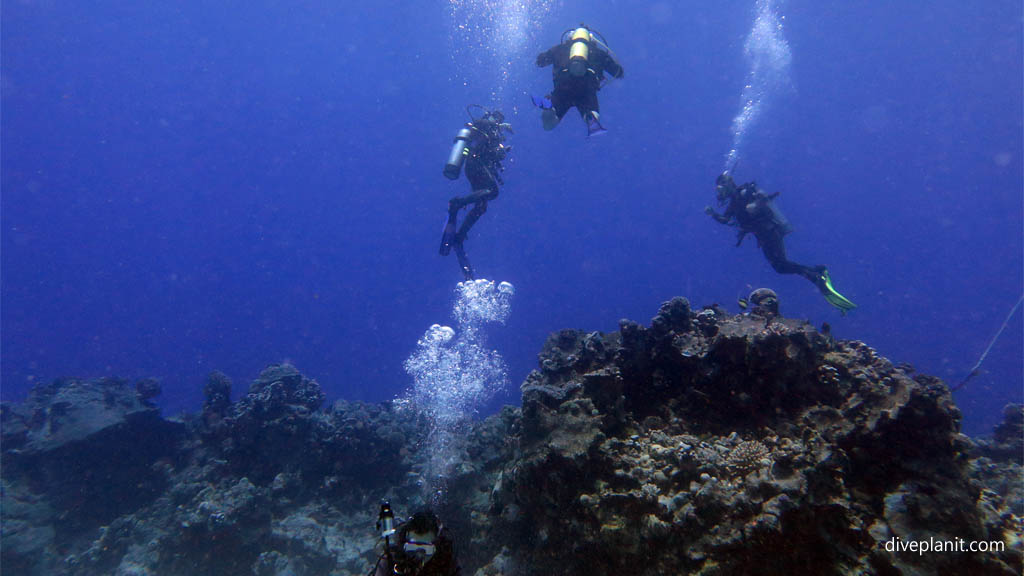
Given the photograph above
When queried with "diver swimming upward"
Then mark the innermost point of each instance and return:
(578, 63)
(480, 146)
(754, 212)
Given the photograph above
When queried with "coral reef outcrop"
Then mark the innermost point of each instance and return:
(76, 455)
(719, 444)
(706, 443)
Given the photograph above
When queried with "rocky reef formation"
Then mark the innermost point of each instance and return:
(77, 455)
(995, 466)
(719, 444)
(706, 443)
(270, 484)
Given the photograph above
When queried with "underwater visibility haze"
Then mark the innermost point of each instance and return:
(246, 315)
(191, 186)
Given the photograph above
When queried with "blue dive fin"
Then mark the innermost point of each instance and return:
(542, 103)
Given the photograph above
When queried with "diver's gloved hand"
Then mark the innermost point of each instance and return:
(824, 283)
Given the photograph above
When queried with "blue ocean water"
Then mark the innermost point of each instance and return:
(189, 186)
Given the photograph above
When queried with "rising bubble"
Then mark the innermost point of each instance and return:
(769, 58)
(454, 374)
(489, 39)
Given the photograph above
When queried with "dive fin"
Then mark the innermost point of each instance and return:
(542, 103)
(448, 236)
(834, 298)
(594, 126)
(467, 269)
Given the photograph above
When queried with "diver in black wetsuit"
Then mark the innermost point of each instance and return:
(754, 212)
(423, 546)
(480, 146)
(578, 64)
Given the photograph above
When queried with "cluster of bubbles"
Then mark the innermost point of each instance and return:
(491, 35)
(454, 374)
(769, 56)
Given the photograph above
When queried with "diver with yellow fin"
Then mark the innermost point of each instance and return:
(480, 147)
(579, 63)
(748, 208)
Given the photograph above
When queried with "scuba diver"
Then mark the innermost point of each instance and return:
(579, 64)
(480, 146)
(754, 212)
(422, 546)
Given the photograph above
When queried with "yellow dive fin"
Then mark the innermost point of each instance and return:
(834, 298)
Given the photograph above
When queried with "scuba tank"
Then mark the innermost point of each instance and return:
(579, 51)
(460, 149)
(489, 125)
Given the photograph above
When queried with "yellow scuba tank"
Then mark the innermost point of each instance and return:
(579, 51)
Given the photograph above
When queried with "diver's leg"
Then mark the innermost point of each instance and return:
(478, 210)
(485, 189)
(448, 235)
(560, 104)
(588, 104)
(590, 110)
(775, 251)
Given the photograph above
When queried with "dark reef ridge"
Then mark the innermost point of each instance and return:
(707, 443)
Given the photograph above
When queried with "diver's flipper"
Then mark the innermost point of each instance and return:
(448, 236)
(594, 127)
(834, 298)
(542, 103)
(467, 270)
(549, 119)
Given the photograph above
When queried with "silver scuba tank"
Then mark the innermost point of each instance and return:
(457, 156)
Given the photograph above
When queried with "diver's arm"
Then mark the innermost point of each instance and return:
(546, 58)
(720, 218)
(612, 66)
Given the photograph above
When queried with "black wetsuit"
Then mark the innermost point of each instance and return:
(483, 170)
(754, 212)
(578, 91)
